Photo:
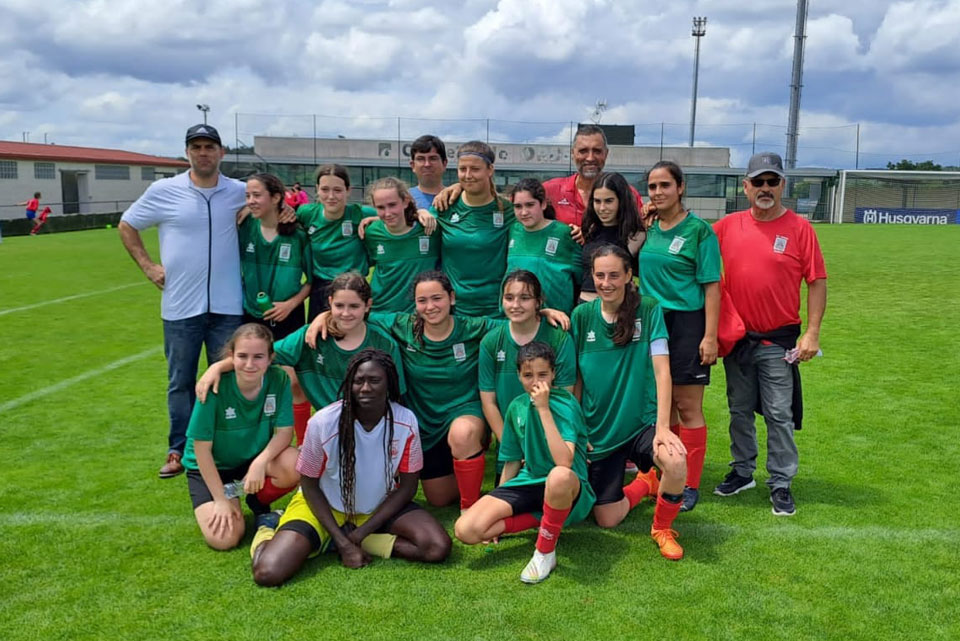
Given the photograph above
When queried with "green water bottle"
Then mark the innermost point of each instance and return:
(263, 302)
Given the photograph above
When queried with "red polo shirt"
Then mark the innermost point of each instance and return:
(565, 198)
(763, 265)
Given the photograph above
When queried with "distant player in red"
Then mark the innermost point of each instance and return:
(32, 205)
(40, 221)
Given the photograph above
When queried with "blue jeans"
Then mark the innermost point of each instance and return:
(182, 340)
(770, 378)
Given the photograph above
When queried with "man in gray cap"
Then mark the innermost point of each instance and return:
(198, 273)
(767, 251)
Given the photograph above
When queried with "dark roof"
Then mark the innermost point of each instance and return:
(64, 153)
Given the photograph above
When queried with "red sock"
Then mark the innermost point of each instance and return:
(664, 513)
(270, 492)
(675, 429)
(301, 414)
(695, 440)
(519, 523)
(550, 526)
(638, 488)
(469, 474)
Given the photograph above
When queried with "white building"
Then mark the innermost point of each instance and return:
(73, 180)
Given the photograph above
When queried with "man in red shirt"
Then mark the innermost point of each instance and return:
(767, 251)
(569, 195)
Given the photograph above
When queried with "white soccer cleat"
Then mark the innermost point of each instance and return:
(539, 567)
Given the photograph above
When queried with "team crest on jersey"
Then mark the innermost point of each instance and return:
(346, 228)
(498, 219)
(319, 359)
(424, 244)
(380, 249)
(250, 248)
(591, 336)
(311, 229)
(676, 245)
(270, 405)
(552, 244)
(459, 352)
(501, 356)
(455, 218)
(780, 244)
(230, 413)
(285, 251)
(637, 329)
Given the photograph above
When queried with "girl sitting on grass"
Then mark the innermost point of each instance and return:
(242, 431)
(545, 466)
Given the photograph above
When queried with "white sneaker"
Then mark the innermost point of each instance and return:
(539, 567)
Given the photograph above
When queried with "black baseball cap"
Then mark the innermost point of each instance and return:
(765, 163)
(203, 131)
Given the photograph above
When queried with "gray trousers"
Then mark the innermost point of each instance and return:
(767, 377)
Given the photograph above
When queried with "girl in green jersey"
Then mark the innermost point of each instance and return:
(397, 246)
(242, 431)
(544, 246)
(624, 387)
(544, 451)
(680, 266)
(332, 225)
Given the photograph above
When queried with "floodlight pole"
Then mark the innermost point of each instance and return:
(205, 109)
(796, 84)
(699, 30)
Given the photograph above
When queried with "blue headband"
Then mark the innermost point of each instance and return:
(485, 157)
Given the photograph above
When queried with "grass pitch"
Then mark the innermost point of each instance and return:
(96, 547)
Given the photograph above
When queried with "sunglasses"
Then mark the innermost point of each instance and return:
(770, 182)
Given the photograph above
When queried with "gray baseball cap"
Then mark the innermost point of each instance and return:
(203, 131)
(765, 163)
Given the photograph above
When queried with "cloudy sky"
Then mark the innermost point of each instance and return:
(129, 73)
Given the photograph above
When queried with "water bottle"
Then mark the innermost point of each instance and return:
(233, 490)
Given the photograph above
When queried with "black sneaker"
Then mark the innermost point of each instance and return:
(782, 502)
(690, 497)
(734, 484)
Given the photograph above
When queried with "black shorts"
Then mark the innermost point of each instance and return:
(606, 475)
(686, 331)
(319, 292)
(284, 328)
(437, 461)
(307, 530)
(200, 493)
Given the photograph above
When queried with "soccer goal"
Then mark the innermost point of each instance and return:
(879, 197)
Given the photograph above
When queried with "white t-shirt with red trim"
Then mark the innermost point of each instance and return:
(320, 455)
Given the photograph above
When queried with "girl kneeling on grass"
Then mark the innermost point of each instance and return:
(545, 466)
(624, 384)
(243, 431)
(359, 469)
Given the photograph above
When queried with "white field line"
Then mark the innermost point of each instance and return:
(56, 387)
(4, 312)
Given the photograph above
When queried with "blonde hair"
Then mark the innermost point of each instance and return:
(248, 330)
(389, 182)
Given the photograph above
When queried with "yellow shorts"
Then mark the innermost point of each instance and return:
(299, 510)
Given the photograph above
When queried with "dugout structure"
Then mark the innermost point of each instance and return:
(905, 197)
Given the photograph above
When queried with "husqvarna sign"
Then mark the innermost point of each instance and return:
(877, 216)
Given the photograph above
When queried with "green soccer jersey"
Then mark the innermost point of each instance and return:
(524, 440)
(619, 392)
(553, 256)
(473, 253)
(336, 246)
(396, 261)
(276, 267)
(498, 361)
(321, 371)
(675, 264)
(441, 375)
(239, 428)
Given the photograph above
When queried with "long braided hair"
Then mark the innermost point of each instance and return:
(433, 275)
(346, 434)
(626, 315)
